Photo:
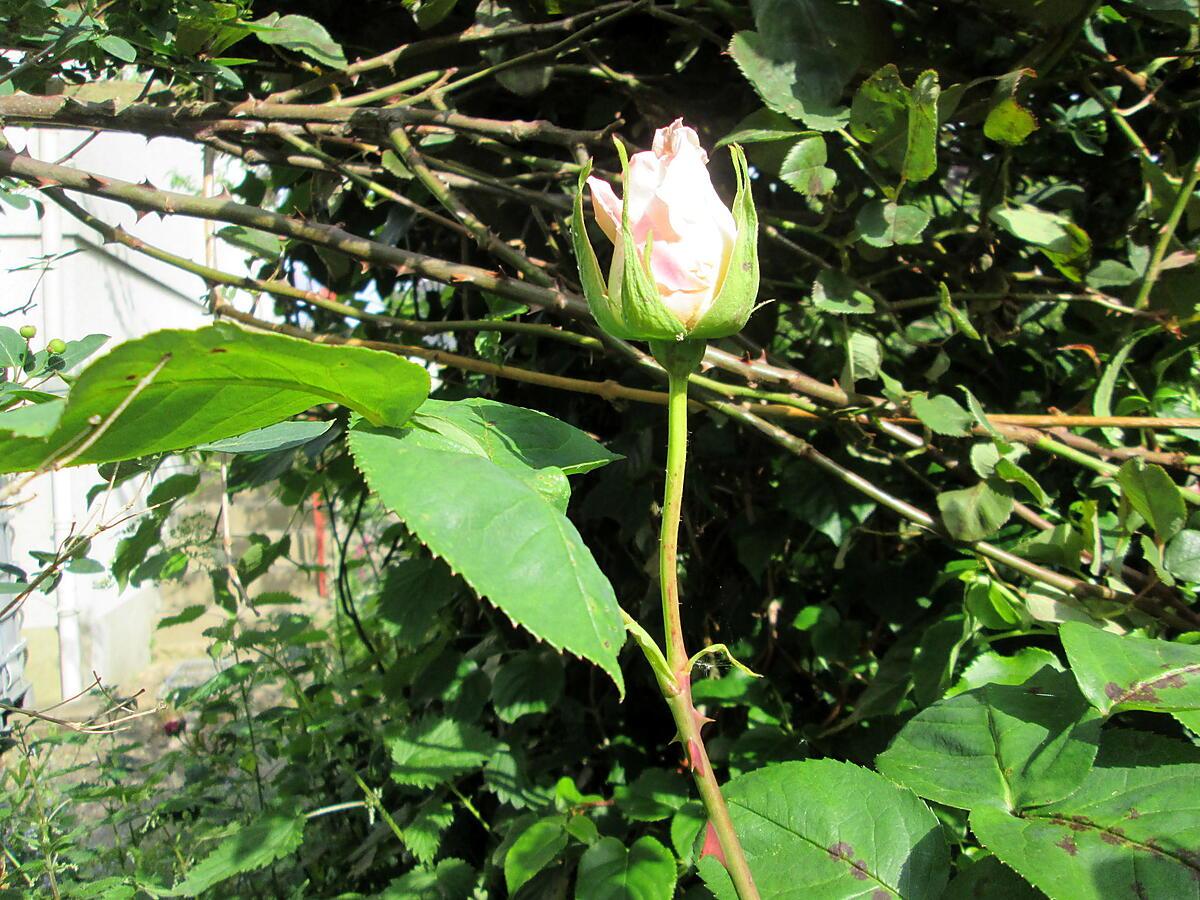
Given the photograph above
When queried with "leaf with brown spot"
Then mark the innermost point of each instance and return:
(802, 839)
(1122, 672)
(1104, 844)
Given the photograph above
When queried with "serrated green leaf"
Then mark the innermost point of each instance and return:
(801, 840)
(1119, 672)
(32, 420)
(804, 168)
(187, 614)
(422, 835)
(686, 826)
(1129, 830)
(1008, 122)
(511, 544)
(1063, 242)
(414, 593)
(1007, 470)
(1011, 746)
(118, 47)
(216, 382)
(252, 847)
(13, 348)
(433, 750)
(609, 871)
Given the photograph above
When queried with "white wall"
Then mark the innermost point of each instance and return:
(107, 289)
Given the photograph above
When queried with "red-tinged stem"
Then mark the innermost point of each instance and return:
(678, 690)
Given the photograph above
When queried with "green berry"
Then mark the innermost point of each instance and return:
(29, 332)
(56, 346)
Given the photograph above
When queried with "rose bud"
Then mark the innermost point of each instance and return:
(684, 266)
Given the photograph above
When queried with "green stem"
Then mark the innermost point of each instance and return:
(1186, 188)
(678, 691)
(668, 551)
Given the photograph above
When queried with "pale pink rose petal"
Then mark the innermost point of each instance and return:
(646, 173)
(674, 268)
(687, 192)
(607, 206)
(668, 141)
(688, 306)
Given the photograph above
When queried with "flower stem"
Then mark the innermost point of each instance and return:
(678, 690)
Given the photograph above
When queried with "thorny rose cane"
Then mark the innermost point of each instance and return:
(684, 269)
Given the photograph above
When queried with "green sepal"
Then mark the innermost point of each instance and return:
(643, 314)
(604, 309)
(679, 357)
(739, 290)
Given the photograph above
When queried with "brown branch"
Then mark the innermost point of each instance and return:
(195, 119)
(476, 34)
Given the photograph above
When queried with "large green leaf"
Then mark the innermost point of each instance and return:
(827, 830)
(1010, 746)
(609, 871)
(1118, 672)
(509, 540)
(214, 383)
(1131, 830)
(272, 837)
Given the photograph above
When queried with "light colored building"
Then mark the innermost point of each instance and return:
(86, 287)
